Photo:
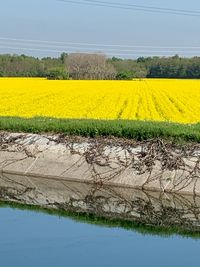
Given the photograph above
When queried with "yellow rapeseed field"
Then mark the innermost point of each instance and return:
(145, 99)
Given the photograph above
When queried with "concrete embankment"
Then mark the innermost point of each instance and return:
(154, 165)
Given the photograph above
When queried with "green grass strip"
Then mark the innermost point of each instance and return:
(138, 130)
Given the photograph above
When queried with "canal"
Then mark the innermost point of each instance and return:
(52, 222)
(31, 238)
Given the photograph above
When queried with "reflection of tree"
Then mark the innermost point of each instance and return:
(182, 211)
(148, 208)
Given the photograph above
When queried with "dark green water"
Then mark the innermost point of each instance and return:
(29, 238)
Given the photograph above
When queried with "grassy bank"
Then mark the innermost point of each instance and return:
(138, 130)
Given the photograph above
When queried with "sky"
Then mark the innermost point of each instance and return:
(48, 27)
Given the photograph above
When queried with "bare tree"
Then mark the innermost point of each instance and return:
(90, 66)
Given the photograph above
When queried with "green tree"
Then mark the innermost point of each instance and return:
(57, 74)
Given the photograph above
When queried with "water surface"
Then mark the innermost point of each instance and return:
(29, 238)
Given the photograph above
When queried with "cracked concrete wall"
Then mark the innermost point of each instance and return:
(153, 165)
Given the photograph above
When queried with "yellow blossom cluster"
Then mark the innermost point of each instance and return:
(140, 99)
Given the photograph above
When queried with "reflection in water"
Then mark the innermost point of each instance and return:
(35, 239)
(125, 204)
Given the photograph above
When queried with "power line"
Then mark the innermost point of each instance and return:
(134, 53)
(39, 49)
(105, 50)
(62, 44)
(146, 7)
(182, 12)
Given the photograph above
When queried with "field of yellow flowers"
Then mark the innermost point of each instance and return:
(145, 99)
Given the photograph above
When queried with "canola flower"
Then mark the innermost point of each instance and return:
(140, 99)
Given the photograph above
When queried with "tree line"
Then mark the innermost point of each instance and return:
(98, 66)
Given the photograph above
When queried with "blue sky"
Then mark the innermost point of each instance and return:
(53, 21)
